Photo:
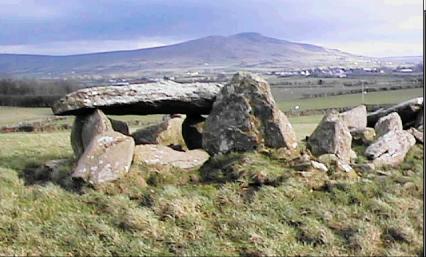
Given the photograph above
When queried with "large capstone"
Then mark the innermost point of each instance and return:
(168, 132)
(392, 121)
(391, 148)
(355, 118)
(107, 158)
(244, 117)
(164, 97)
(331, 136)
(86, 127)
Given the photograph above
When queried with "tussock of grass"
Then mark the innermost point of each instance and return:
(250, 204)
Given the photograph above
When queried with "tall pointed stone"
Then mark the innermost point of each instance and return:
(244, 117)
(331, 137)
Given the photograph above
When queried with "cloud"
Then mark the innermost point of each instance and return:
(377, 48)
(86, 46)
(43, 24)
(411, 23)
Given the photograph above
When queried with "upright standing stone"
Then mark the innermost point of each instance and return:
(244, 116)
(192, 130)
(387, 123)
(86, 127)
(120, 126)
(331, 137)
(355, 118)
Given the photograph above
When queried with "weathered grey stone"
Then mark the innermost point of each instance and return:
(331, 136)
(418, 135)
(407, 110)
(343, 166)
(319, 166)
(76, 141)
(364, 136)
(192, 131)
(168, 132)
(392, 121)
(328, 159)
(356, 118)
(302, 165)
(120, 126)
(159, 155)
(164, 97)
(390, 149)
(353, 155)
(86, 127)
(364, 167)
(107, 158)
(245, 117)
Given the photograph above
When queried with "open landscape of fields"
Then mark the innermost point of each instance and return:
(211, 128)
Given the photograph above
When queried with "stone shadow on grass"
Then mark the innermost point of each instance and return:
(232, 167)
(55, 171)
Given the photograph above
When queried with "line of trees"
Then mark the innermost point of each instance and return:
(33, 92)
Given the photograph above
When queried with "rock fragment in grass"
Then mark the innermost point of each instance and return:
(159, 155)
(391, 148)
(417, 134)
(319, 166)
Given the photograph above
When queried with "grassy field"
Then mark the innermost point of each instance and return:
(384, 97)
(296, 87)
(255, 206)
(12, 115)
(251, 204)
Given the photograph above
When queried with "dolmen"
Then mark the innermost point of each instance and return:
(203, 120)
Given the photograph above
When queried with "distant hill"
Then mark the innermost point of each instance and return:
(244, 50)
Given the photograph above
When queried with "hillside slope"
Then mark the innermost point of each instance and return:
(240, 50)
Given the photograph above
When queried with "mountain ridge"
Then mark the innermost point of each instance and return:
(247, 49)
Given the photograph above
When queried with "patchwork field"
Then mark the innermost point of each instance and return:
(250, 204)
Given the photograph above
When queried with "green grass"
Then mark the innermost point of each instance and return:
(241, 204)
(383, 97)
(249, 204)
(12, 115)
(304, 125)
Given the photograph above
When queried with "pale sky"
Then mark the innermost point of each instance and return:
(366, 27)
